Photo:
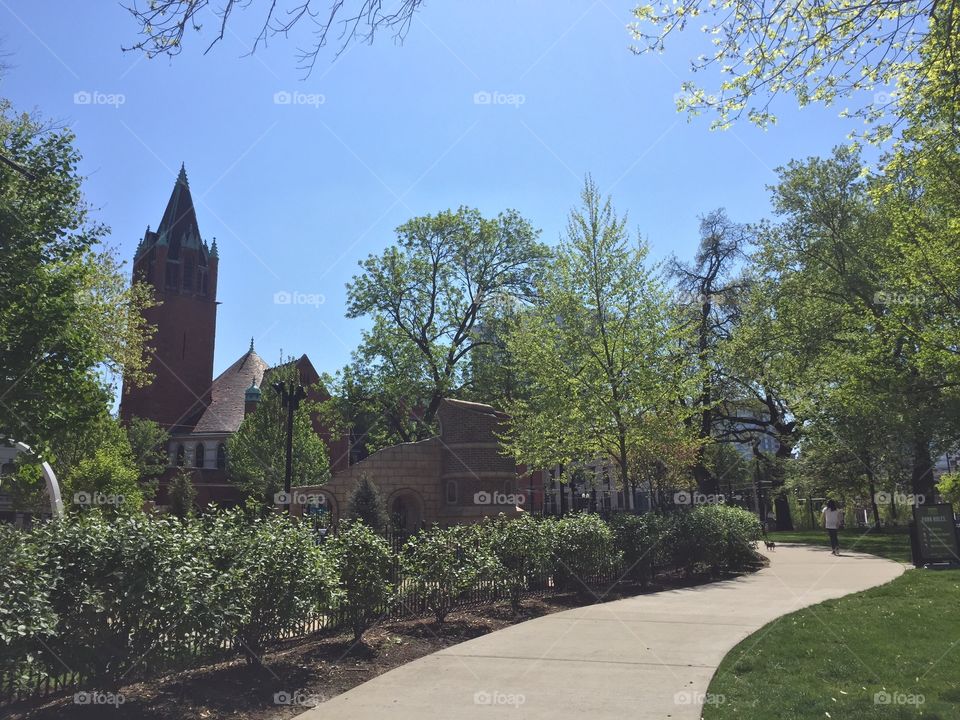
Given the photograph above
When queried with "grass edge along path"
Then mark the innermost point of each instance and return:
(887, 652)
(891, 543)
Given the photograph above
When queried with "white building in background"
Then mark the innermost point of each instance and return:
(591, 487)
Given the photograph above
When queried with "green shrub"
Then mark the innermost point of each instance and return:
(26, 616)
(522, 548)
(583, 551)
(363, 563)
(271, 575)
(712, 537)
(443, 563)
(640, 538)
(740, 532)
(949, 489)
(121, 592)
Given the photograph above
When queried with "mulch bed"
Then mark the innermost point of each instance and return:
(308, 670)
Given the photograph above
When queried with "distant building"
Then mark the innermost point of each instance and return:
(460, 476)
(590, 487)
(199, 412)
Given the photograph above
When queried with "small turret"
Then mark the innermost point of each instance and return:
(251, 398)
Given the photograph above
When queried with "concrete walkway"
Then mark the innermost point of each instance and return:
(644, 657)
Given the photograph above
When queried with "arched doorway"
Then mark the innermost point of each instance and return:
(406, 511)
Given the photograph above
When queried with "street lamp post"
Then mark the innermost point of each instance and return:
(290, 397)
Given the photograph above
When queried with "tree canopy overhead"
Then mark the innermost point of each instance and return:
(815, 50)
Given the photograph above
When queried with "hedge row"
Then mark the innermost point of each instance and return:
(107, 597)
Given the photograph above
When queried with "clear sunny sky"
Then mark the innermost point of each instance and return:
(297, 192)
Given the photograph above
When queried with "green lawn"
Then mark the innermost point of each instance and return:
(892, 543)
(842, 658)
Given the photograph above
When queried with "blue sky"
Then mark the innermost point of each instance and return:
(297, 193)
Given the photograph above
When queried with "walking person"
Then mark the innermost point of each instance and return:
(832, 517)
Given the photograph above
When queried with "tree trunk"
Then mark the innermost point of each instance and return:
(784, 519)
(921, 478)
(872, 484)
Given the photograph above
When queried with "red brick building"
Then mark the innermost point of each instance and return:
(458, 476)
(199, 411)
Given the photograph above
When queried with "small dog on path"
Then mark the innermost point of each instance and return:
(771, 545)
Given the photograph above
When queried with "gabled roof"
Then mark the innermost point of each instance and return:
(225, 411)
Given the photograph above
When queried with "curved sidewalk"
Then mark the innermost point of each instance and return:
(650, 656)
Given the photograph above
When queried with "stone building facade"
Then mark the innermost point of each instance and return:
(459, 476)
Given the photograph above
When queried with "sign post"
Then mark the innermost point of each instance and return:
(935, 536)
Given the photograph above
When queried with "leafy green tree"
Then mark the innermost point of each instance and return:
(598, 353)
(98, 468)
(366, 505)
(824, 293)
(817, 52)
(364, 565)
(709, 292)
(426, 297)
(949, 488)
(182, 494)
(70, 324)
(256, 453)
(148, 441)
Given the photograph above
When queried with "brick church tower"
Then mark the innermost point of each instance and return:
(182, 270)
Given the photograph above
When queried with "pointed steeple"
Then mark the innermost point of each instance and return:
(179, 223)
(251, 344)
(213, 249)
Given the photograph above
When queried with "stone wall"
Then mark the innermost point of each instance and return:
(408, 472)
(436, 480)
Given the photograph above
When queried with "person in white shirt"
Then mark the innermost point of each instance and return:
(832, 517)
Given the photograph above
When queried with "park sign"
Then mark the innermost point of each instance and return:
(935, 535)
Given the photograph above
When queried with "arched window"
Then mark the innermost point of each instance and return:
(198, 456)
(221, 456)
(451, 492)
(181, 456)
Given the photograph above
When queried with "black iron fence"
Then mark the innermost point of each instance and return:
(48, 676)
